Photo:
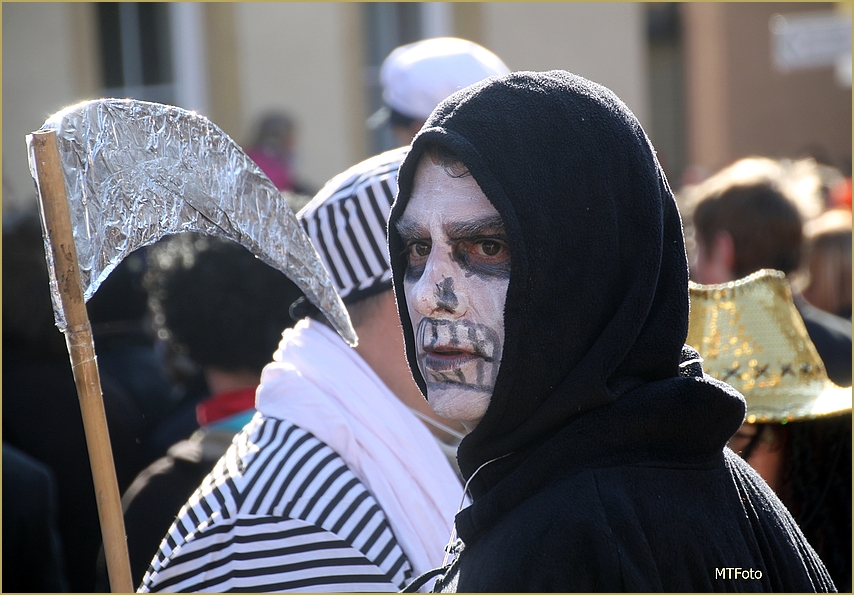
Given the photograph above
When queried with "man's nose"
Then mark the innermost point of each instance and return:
(438, 293)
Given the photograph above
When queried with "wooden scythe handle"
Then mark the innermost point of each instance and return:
(81, 350)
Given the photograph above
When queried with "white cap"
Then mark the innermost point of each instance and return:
(416, 77)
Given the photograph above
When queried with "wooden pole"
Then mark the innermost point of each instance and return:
(81, 349)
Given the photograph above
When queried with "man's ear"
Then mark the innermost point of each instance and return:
(715, 259)
(723, 251)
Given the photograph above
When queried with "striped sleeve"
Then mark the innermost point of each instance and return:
(279, 512)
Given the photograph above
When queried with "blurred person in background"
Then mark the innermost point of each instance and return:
(840, 195)
(828, 243)
(417, 76)
(273, 149)
(812, 185)
(225, 310)
(41, 411)
(745, 218)
(128, 352)
(832, 177)
(797, 430)
(32, 548)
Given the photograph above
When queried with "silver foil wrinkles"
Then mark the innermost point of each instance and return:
(137, 171)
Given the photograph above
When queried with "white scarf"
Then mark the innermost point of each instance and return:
(317, 382)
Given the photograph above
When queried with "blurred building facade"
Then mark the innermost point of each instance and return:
(701, 77)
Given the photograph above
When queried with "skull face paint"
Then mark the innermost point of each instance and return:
(455, 285)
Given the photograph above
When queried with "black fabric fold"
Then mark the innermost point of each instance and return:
(626, 432)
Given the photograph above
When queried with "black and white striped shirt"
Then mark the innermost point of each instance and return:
(280, 512)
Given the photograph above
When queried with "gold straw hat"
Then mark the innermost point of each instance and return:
(751, 336)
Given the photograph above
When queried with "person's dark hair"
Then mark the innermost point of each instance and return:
(215, 300)
(448, 160)
(765, 224)
(828, 262)
(816, 485)
(817, 489)
(28, 319)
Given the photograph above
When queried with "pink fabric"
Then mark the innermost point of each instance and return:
(277, 168)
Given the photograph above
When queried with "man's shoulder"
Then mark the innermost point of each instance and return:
(273, 469)
(835, 326)
(270, 554)
(831, 336)
(277, 489)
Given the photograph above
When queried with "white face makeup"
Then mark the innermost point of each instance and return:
(455, 284)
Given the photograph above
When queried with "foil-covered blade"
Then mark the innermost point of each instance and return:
(137, 171)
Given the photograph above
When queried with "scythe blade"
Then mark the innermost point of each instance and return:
(137, 171)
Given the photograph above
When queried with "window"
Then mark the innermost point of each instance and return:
(136, 51)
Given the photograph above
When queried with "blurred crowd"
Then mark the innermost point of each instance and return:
(184, 329)
(792, 216)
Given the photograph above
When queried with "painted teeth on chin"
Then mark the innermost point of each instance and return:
(468, 337)
(484, 347)
(475, 338)
(437, 333)
(444, 336)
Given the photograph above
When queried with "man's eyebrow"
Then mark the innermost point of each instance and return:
(409, 229)
(465, 229)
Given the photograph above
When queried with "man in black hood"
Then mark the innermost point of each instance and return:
(541, 277)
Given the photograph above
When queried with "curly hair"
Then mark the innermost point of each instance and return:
(214, 300)
(816, 485)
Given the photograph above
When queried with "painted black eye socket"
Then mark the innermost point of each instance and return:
(417, 253)
(488, 257)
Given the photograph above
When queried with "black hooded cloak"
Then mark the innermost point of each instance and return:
(602, 453)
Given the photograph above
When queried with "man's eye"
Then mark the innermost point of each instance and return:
(489, 248)
(419, 249)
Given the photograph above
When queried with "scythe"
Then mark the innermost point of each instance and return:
(115, 175)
